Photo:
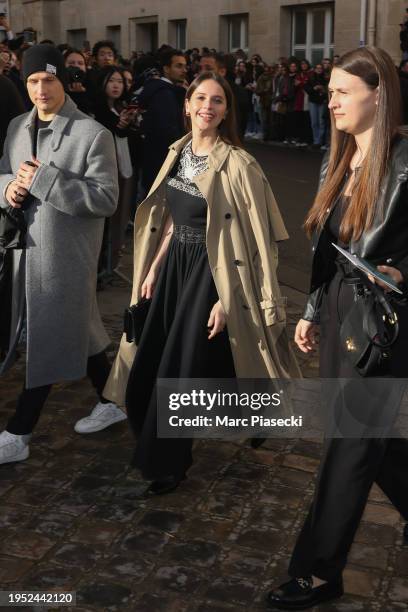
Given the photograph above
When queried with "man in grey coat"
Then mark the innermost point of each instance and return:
(66, 189)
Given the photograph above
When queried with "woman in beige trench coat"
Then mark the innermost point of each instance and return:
(241, 228)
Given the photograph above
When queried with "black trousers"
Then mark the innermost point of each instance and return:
(348, 469)
(31, 401)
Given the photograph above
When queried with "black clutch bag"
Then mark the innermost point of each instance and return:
(369, 330)
(134, 320)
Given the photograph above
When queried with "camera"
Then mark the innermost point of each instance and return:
(76, 75)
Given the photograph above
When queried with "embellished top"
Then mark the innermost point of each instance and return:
(189, 166)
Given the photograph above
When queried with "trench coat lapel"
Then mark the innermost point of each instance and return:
(206, 181)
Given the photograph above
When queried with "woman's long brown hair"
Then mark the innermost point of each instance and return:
(228, 127)
(376, 68)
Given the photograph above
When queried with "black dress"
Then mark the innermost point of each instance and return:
(174, 343)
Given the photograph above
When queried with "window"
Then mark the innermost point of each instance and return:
(113, 34)
(76, 38)
(300, 22)
(238, 32)
(181, 31)
(312, 33)
(178, 33)
(144, 33)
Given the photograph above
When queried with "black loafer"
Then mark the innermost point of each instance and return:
(405, 536)
(163, 486)
(299, 594)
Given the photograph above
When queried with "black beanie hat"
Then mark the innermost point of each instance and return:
(44, 58)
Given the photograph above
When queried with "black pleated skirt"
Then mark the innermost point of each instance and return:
(174, 344)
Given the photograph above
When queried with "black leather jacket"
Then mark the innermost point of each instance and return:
(385, 243)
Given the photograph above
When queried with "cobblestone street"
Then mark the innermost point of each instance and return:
(71, 519)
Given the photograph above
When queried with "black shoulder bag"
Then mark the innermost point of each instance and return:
(369, 329)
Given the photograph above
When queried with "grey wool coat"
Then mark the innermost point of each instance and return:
(75, 187)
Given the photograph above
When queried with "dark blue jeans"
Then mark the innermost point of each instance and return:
(318, 123)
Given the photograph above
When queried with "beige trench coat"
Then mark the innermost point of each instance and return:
(243, 226)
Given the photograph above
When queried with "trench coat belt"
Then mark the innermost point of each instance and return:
(269, 304)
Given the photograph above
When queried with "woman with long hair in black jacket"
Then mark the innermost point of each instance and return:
(361, 206)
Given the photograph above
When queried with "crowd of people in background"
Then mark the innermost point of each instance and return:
(284, 101)
(140, 100)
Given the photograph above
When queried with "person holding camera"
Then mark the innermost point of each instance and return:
(58, 167)
(78, 83)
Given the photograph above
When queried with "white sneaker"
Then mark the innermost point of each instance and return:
(101, 417)
(13, 447)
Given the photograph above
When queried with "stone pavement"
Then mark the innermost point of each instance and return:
(70, 517)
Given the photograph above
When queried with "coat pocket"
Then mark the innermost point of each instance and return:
(274, 310)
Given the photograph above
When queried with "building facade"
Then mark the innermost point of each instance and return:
(272, 28)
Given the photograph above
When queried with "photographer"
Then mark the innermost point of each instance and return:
(78, 83)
